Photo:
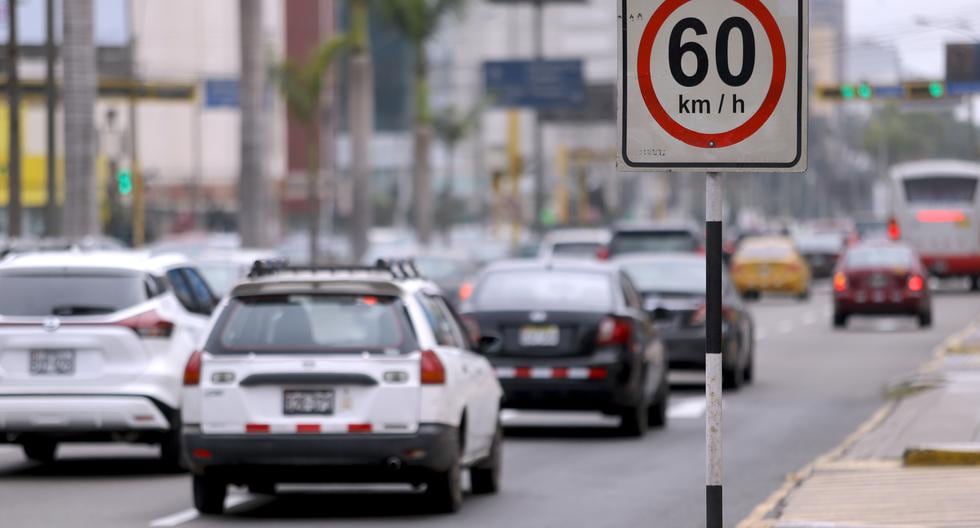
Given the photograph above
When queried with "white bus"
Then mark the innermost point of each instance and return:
(936, 209)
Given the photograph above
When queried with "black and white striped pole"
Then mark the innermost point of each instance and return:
(713, 363)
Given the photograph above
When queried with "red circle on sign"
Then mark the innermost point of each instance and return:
(720, 139)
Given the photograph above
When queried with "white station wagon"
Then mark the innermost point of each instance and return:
(341, 375)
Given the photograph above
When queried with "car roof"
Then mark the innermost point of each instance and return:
(123, 260)
(331, 283)
(552, 264)
(660, 225)
(767, 240)
(935, 167)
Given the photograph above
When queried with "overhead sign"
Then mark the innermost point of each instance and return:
(713, 85)
(535, 83)
(963, 62)
(220, 93)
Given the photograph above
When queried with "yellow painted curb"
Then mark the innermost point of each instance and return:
(757, 518)
(942, 456)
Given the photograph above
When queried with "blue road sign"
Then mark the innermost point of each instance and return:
(535, 83)
(963, 87)
(220, 93)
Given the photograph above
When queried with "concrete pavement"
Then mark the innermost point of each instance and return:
(813, 387)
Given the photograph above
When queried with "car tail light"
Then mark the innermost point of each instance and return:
(192, 372)
(433, 371)
(614, 331)
(148, 324)
(465, 291)
(602, 253)
(916, 283)
(359, 428)
(894, 231)
(257, 428)
(840, 281)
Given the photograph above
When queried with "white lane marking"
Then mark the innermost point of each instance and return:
(190, 514)
(809, 318)
(687, 408)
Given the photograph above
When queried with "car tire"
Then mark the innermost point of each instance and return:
(805, 295)
(925, 319)
(633, 420)
(209, 494)
(749, 370)
(444, 489)
(751, 295)
(840, 320)
(171, 450)
(657, 412)
(974, 283)
(485, 475)
(40, 450)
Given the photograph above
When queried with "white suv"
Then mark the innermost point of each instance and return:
(92, 347)
(341, 374)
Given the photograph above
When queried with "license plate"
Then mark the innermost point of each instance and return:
(878, 281)
(763, 270)
(52, 362)
(539, 336)
(307, 402)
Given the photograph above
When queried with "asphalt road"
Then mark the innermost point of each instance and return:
(814, 386)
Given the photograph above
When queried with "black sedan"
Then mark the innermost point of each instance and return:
(574, 337)
(673, 289)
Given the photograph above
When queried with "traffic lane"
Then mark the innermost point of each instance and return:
(89, 485)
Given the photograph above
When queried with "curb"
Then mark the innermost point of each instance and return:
(942, 455)
(761, 515)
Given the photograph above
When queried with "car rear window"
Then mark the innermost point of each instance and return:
(879, 257)
(587, 250)
(653, 242)
(73, 293)
(668, 275)
(946, 190)
(312, 323)
(544, 290)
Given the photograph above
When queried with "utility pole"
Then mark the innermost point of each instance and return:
(80, 217)
(52, 225)
(361, 115)
(251, 188)
(139, 185)
(538, 133)
(14, 208)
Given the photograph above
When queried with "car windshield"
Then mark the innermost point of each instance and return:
(653, 242)
(587, 250)
(668, 275)
(312, 323)
(544, 290)
(879, 257)
(39, 293)
(940, 190)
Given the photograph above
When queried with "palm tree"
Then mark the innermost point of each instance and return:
(360, 97)
(417, 21)
(451, 127)
(251, 191)
(301, 85)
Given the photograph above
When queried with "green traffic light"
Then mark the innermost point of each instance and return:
(936, 89)
(864, 91)
(847, 91)
(124, 182)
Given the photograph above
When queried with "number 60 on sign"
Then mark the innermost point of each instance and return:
(712, 85)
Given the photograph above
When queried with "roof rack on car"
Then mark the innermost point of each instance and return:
(394, 268)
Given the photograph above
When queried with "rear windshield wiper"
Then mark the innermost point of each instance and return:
(80, 309)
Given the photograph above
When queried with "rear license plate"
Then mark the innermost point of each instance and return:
(307, 402)
(52, 362)
(878, 281)
(763, 270)
(539, 336)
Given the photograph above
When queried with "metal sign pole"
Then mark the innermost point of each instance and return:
(713, 359)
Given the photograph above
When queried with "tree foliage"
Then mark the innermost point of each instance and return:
(910, 135)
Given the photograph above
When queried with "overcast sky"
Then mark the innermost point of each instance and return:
(921, 49)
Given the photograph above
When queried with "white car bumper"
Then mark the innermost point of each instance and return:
(21, 414)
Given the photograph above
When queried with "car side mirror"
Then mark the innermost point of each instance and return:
(490, 345)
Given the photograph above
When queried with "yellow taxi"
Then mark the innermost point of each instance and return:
(770, 264)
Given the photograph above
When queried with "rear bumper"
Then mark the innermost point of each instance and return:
(565, 383)
(244, 458)
(686, 348)
(82, 414)
(903, 307)
(952, 265)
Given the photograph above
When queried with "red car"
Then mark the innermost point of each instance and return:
(881, 278)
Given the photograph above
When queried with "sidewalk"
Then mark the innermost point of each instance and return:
(916, 463)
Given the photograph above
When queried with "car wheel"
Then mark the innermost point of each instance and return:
(751, 295)
(749, 370)
(657, 412)
(209, 494)
(171, 452)
(974, 283)
(925, 319)
(40, 450)
(444, 489)
(485, 476)
(840, 320)
(633, 420)
(805, 295)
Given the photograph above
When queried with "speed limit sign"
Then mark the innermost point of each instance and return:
(713, 85)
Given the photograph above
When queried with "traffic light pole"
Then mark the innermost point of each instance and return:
(713, 357)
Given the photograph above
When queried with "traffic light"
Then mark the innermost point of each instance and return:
(124, 182)
(837, 92)
(925, 90)
(864, 91)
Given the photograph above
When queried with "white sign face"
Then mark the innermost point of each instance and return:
(713, 85)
